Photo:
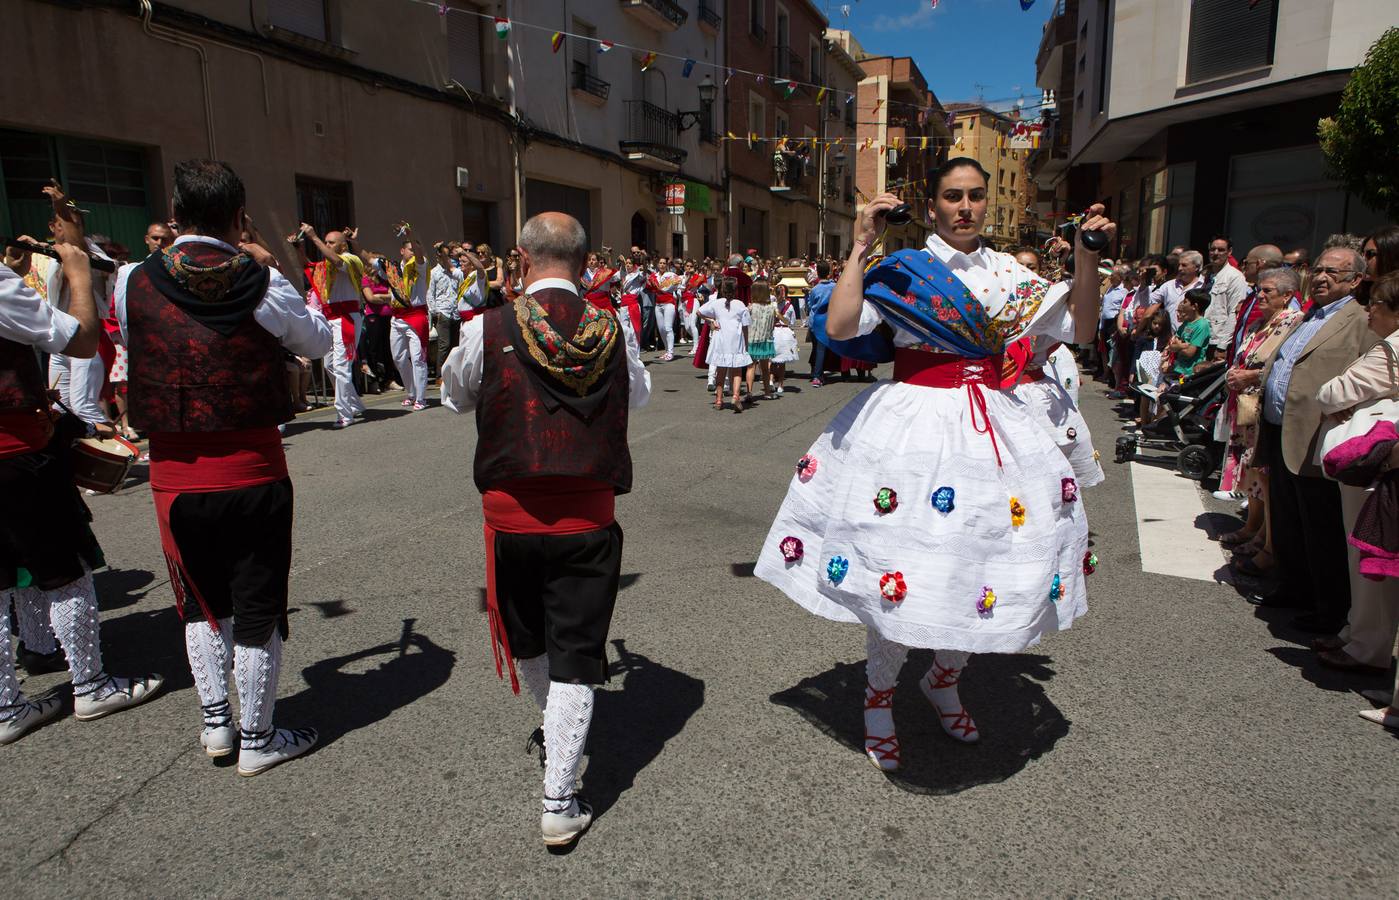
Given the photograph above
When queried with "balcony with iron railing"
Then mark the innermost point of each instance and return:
(709, 16)
(652, 137)
(659, 15)
(584, 80)
(786, 63)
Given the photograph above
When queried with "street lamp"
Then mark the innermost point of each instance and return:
(708, 91)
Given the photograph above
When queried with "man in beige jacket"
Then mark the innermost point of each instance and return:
(1304, 508)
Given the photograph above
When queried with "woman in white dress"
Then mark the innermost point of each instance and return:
(1049, 388)
(934, 509)
(728, 340)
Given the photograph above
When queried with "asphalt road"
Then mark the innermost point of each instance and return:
(1173, 743)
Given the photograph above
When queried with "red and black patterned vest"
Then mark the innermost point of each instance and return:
(21, 381)
(517, 436)
(186, 377)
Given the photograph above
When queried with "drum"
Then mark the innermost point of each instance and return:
(101, 465)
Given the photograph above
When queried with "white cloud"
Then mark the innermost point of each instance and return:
(920, 16)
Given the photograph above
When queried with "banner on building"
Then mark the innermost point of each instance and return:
(675, 198)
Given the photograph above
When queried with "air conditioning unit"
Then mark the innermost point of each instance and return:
(463, 178)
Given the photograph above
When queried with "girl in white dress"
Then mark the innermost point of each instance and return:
(728, 340)
(933, 509)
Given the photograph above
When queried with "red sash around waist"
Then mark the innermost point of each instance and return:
(948, 370)
(1031, 373)
(550, 505)
(24, 431)
(466, 315)
(409, 312)
(344, 311)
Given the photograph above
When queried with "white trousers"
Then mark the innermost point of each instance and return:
(1374, 605)
(337, 363)
(691, 328)
(79, 383)
(665, 324)
(410, 356)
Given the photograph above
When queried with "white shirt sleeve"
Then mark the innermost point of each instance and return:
(26, 319)
(474, 297)
(638, 379)
(285, 315)
(461, 373)
(870, 318)
(119, 298)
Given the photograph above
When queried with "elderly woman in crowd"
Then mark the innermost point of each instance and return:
(1366, 643)
(1275, 289)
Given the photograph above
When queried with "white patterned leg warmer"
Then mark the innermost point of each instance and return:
(210, 656)
(32, 617)
(535, 674)
(567, 716)
(11, 698)
(73, 614)
(255, 669)
(885, 659)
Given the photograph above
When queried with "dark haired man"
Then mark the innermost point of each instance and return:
(1228, 288)
(408, 335)
(158, 237)
(49, 545)
(551, 378)
(337, 283)
(207, 322)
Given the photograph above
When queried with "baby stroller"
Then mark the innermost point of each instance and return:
(1186, 426)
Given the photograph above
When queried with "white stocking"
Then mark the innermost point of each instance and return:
(255, 669)
(940, 687)
(535, 674)
(210, 654)
(567, 715)
(32, 617)
(11, 698)
(72, 612)
(885, 659)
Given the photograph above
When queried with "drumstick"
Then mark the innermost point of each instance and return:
(101, 265)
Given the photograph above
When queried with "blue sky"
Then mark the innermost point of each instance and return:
(957, 46)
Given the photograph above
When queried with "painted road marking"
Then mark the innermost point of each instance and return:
(1169, 509)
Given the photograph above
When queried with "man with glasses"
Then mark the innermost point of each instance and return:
(1169, 293)
(1304, 508)
(1227, 290)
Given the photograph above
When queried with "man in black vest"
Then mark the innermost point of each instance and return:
(551, 378)
(44, 529)
(206, 321)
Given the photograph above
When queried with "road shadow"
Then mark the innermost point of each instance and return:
(120, 588)
(631, 726)
(1218, 524)
(336, 702)
(1004, 693)
(149, 641)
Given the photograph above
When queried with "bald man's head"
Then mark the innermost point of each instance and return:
(1260, 259)
(336, 241)
(553, 244)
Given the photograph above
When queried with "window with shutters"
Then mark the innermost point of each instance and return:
(464, 51)
(1227, 38)
(304, 17)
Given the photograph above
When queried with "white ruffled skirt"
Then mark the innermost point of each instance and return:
(1050, 404)
(976, 578)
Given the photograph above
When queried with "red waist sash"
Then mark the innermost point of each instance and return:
(1031, 373)
(549, 505)
(344, 311)
(185, 463)
(948, 370)
(408, 312)
(24, 431)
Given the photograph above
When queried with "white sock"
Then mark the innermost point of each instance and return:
(72, 611)
(885, 659)
(32, 617)
(255, 670)
(210, 653)
(947, 667)
(567, 716)
(535, 674)
(11, 697)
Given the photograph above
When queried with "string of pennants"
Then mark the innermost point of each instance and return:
(649, 57)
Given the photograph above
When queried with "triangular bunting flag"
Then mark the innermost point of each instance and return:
(647, 60)
(686, 69)
(556, 41)
(502, 28)
(728, 76)
(924, 144)
(877, 104)
(604, 46)
(821, 94)
(789, 89)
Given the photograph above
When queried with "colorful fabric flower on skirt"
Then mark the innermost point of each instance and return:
(1056, 589)
(1017, 512)
(942, 500)
(806, 467)
(886, 500)
(892, 587)
(1069, 489)
(791, 548)
(837, 568)
(1090, 562)
(986, 601)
